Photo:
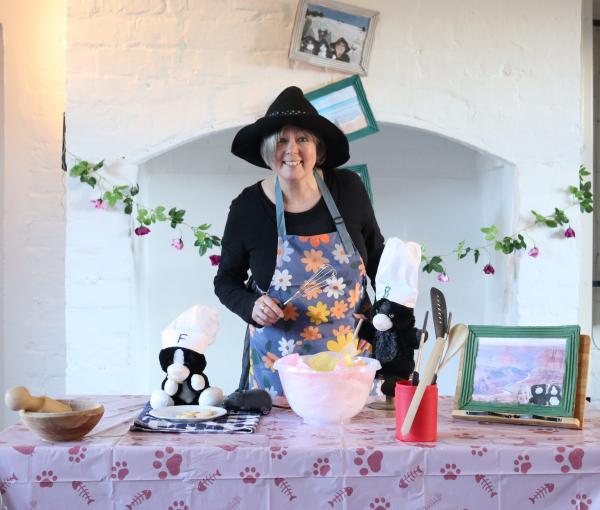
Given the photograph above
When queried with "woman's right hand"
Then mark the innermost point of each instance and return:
(266, 311)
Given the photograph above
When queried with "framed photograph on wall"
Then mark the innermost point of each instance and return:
(363, 172)
(345, 104)
(522, 374)
(333, 35)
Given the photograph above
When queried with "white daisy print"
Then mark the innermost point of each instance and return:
(281, 279)
(283, 252)
(340, 255)
(335, 287)
(286, 346)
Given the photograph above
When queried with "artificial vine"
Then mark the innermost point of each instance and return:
(507, 244)
(124, 195)
(203, 240)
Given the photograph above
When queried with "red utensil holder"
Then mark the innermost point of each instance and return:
(424, 427)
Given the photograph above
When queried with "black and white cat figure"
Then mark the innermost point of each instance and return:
(183, 361)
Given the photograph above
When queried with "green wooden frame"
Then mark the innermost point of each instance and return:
(363, 172)
(316, 97)
(569, 384)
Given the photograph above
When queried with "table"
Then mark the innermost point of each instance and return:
(287, 464)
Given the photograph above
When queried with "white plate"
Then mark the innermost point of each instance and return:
(170, 413)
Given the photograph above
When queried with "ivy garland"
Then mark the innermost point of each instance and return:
(203, 240)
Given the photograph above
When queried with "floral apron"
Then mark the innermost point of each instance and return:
(319, 320)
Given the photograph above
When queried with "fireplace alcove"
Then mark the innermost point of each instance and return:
(427, 188)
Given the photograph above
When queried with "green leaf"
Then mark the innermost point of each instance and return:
(78, 169)
(498, 246)
(476, 255)
(98, 166)
(204, 226)
(463, 255)
(134, 190)
(551, 223)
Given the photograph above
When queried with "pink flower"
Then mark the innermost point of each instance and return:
(99, 203)
(569, 232)
(443, 277)
(141, 231)
(177, 243)
(215, 259)
(534, 252)
(489, 269)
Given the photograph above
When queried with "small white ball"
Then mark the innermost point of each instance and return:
(212, 396)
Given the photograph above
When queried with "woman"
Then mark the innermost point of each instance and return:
(285, 228)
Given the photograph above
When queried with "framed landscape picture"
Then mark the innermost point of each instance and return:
(520, 372)
(333, 35)
(345, 104)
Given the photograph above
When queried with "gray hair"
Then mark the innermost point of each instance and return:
(268, 147)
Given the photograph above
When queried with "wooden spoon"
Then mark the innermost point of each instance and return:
(456, 341)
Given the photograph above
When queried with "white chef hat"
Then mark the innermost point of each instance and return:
(397, 277)
(194, 329)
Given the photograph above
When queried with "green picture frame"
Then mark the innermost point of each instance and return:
(363, 172)
(345, 104)
(501, 364)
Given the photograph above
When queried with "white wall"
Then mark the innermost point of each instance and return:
(33, 200)
(142, 80)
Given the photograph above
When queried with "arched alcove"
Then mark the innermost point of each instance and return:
(426, 188)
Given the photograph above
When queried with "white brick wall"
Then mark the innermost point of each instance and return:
(143, 77)
(34, 201)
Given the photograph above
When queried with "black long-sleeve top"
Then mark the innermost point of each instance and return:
(250, 238)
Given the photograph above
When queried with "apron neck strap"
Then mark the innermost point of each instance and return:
(331, 206)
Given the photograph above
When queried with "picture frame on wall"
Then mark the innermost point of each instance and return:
(363, 172)
(345, 104)
(523, 374)
(333, 35)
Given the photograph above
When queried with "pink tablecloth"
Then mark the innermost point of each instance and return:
(287, 464)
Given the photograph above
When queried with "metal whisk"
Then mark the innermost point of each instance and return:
(319, 280)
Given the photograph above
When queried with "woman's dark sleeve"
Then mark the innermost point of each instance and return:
(230, 281)
(374, 241)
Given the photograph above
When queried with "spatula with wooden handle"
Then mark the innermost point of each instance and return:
(19, 399)
(415, 375)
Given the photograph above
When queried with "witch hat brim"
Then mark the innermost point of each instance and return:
(291, 108)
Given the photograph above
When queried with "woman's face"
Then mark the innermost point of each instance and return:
(296, 154)
(340, 49)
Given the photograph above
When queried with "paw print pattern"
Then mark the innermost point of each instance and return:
(450, 472)
(46, 478)
(77, 453)
(373, 461)
(178, 505)
(522, 464)
(379, 504)
(169, 466)
(119, 470)
(321, 467)
(278, 452)
(581, 502)
(249, 475)
(478, 450)
(574, 460)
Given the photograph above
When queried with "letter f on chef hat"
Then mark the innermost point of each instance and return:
(397, 277)
(194, 329)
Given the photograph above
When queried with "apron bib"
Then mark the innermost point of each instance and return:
(322, 319)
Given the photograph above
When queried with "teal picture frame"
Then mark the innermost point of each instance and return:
(501, 363)
(363, 172)
(345, 104)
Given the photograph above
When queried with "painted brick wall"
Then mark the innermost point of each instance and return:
(146, 76)
(34, 200)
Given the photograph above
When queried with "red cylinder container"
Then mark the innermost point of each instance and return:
(424, 427)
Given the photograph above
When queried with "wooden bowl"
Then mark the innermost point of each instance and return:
(68, 426)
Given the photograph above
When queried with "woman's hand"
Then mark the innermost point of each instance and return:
(266, 311)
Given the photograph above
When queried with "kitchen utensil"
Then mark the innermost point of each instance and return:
(449, 322)
(456, 340)
(415, 375)
(439, 313)
(319, 280)
(19, 399)
(426, 378)
(67, 426)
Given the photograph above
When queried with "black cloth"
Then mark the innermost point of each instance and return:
(250, 238)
